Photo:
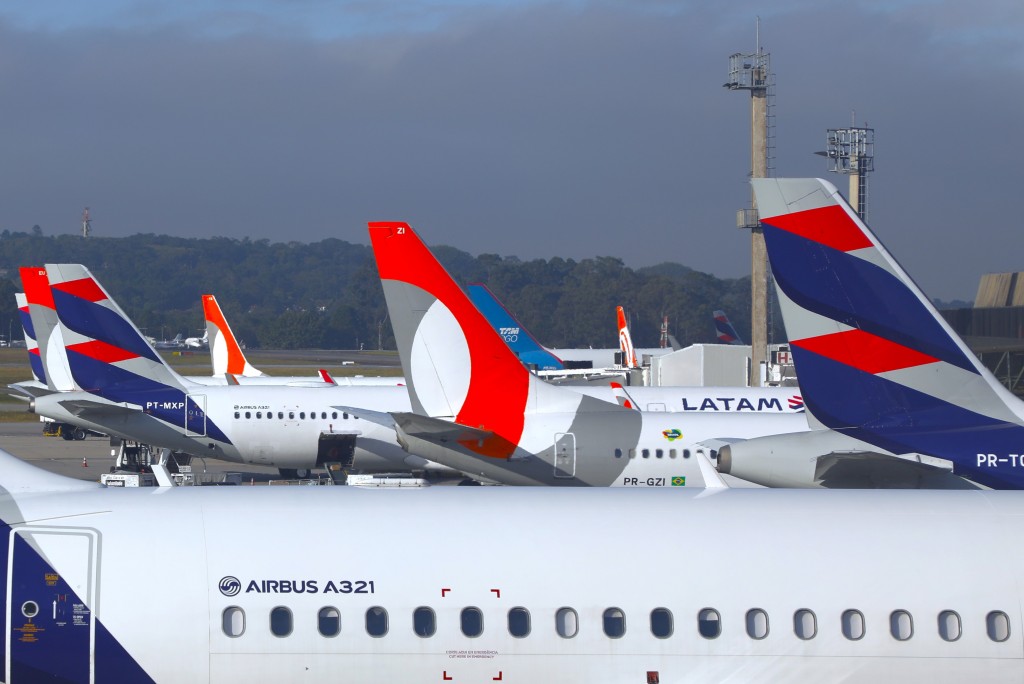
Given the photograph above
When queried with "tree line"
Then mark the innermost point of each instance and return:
(327, 295)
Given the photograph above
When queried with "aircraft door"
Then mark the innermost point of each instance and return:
(565, 454)
(195, 415)
(51, 599)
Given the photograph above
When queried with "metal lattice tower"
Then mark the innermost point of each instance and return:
(851, 151)
(86, 223)
(752, 72)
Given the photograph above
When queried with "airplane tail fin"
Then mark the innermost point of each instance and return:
(106, 353)
(625, 341)
(34, 360)
(225, 353)
(49, 337)
(516, 336)
(726, 332)
(456, 366)
(875, 359)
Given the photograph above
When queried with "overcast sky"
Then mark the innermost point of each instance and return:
(533, 129)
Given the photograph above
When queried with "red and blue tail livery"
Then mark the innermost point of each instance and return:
(724, 329)
(875, 359)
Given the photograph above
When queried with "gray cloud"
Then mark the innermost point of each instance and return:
(569, 130)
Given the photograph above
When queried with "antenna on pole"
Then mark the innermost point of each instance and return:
(86, 223)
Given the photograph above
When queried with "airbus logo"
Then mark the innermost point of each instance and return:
(230, 586)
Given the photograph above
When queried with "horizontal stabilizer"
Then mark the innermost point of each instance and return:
(438, 430)
(378, 417)
(83, 408)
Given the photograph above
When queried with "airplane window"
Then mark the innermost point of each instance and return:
(281, 621)
(270, 415)
(805, 624)
(686, 453)
(901, 625)
(949, 625)
(757, 623)
(424, 622)
(614, 623)
(998, 625)
(344, 416)
(632, 453)
(709, 623)
(334, 415)
(291, 415)
(323, 415)
(646, 453)
(519, 622)
(248, 415)
(472, 621)
(302, 415)
(233, 621)
(280, 415)
(661, 623)
(671, 453)
(659, 453)
(566, 623)
(328, 621)
(853, 625)
(237, 415)
(259, 414)
(376, 621)
(618, 453)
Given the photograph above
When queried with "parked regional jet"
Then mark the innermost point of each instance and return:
(255, 591)
(105, 377)
(900, 398)
(478, 409)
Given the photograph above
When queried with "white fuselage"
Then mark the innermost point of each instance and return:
(735, 585)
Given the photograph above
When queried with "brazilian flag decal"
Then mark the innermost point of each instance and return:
(678, 481)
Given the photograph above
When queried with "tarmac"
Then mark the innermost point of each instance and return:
(89, 458)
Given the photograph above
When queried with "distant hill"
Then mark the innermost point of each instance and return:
(327, 294)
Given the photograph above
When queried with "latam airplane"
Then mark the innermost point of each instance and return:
(104, 376)
(916, 408)
(859, 586)
(478, 409)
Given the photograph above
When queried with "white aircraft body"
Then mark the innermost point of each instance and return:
(857, 586)
(478, 409)
(104, 376)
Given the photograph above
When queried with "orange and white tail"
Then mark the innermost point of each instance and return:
(625, 341)
(225, 353)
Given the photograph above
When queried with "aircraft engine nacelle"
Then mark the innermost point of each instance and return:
(828, 459)
(775, 461)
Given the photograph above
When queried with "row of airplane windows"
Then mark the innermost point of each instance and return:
(646, 453)
(662, 624)
(291, 415)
